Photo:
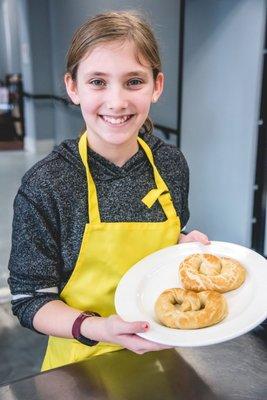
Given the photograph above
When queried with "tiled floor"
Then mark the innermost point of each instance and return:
(20, 349)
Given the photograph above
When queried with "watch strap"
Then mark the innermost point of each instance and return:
(76, 328)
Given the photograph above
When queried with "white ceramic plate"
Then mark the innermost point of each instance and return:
(139, 288)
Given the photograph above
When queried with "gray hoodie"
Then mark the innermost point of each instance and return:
(50, 213)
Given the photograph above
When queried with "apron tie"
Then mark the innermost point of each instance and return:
(152, 196)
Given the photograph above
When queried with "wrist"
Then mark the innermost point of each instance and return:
(91, 328)
(76, 328)
(182, 237)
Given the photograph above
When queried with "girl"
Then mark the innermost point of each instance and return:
(97, 205)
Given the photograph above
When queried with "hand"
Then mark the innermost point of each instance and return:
(114, 329)
(194, 236)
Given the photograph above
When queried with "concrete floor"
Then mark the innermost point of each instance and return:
(21, 350)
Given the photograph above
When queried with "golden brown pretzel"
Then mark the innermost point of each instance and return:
(209, 272)
(184, 309)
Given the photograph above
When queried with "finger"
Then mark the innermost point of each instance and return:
(200, 237)
(204, 239)
(165, 347)
(157, 346)
(132, 327)
(136, 343)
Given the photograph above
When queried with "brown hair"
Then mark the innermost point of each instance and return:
(111, 26)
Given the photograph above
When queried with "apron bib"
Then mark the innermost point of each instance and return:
(108, 251)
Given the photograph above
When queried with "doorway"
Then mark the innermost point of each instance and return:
(259, 227)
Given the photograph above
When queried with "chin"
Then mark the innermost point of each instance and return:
(120, 139)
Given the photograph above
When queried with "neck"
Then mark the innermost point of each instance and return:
(117, 154)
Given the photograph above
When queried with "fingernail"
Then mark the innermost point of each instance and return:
(145, 326)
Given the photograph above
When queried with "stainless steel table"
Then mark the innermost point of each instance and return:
(236, 369)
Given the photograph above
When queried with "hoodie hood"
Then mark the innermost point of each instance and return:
(103, 168)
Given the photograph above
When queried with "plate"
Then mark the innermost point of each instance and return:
(139, 288)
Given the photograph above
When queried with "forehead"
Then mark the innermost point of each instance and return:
(114, 55)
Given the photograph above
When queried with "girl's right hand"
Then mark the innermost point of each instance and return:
(114, 329)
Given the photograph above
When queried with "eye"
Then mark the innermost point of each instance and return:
(97, 83)
(135, 82)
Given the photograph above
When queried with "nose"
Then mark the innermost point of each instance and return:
(116, 98)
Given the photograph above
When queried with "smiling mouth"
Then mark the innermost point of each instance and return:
(116, 121)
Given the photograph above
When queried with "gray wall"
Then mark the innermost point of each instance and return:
(27, 71)
(9, 44)
(221, 93)
(26, 48)
(67, 15)
(45, 28)
(41, 58)
(3, 57)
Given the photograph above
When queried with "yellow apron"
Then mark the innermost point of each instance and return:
(107, 252)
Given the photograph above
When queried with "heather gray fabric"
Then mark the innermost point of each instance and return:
(50, 212)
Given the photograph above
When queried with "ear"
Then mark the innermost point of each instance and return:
(158, 87)
(71, 87)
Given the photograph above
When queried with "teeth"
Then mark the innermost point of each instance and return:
(115, 121)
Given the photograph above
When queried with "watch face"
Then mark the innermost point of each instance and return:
(91, 314)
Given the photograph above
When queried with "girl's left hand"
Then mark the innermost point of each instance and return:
(194, 236)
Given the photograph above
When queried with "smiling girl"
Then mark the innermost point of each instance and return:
(97, 205)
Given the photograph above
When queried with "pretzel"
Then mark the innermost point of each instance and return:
(184, 309)
(208, 272)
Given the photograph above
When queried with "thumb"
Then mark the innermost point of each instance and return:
(132, 327)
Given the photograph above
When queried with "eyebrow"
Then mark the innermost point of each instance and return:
(132, 73)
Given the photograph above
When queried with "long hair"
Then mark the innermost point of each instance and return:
(115, 26)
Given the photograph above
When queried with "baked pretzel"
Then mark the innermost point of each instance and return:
(184, 309)
(209, 272)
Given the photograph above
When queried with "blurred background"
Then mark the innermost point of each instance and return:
(214, 108)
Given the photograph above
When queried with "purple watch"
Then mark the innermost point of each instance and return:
(76, 328)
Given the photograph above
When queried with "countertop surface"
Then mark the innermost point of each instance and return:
(236, 369)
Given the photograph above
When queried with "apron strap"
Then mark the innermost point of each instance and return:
(93, 209)
(160, 193)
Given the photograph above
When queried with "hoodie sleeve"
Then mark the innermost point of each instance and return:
(34, 260)
(181, 185)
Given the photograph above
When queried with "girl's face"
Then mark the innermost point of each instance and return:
(115, 92)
